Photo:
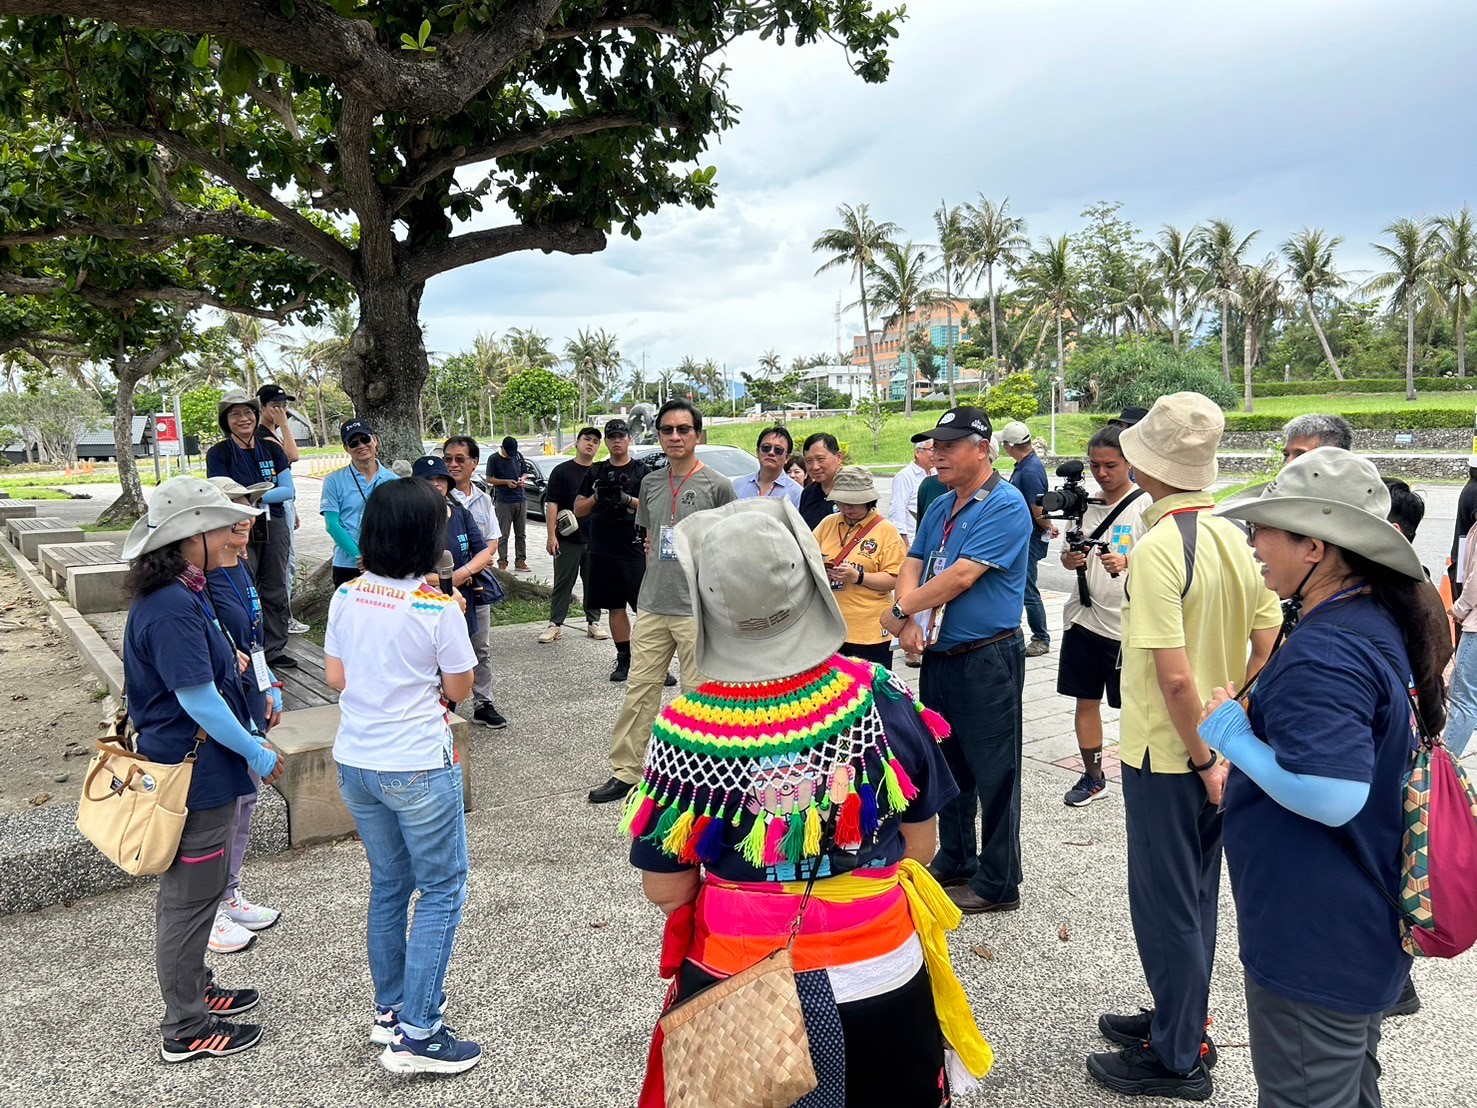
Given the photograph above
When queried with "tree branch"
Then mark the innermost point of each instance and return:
(478, 246)
(630, 22)
(122, 300)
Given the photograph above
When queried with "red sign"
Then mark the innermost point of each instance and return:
(165, 429)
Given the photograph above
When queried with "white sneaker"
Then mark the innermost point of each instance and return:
(251, 916)
(595, 631)
(227, 936)
(297, 627)
(551, 633)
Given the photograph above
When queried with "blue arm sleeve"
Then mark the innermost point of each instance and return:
(283, 491)
(1329, 800)
(207, 708)
(340, 535)
(274, 692)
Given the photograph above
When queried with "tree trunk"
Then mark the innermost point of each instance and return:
(908, 373)
(994, 334)
(322, 414)
(1461, 332)
(1323, 339)
(1246, 362)
(1174, 317)
(1410, 345)
(949, 349)
(386, 368)
(871, 356)
(130, 504)
(1225, 346)
(1061, 351)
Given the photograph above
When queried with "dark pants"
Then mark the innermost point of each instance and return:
(573, 560)
(879, 652)
(189, 891)
(1035, 606)
(1310, 1057)
(344, 573)
(1174, 877)
(269, 563)
(512, 521)
(979, 693)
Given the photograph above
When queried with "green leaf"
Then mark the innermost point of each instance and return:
(425, 32)
(408, 43)
(202, 52)
(289, 9)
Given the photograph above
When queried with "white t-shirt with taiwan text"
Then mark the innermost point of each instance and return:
(1105, 617)
(392, 637)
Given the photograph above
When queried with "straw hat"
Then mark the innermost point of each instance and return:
(854, 485)
(234, 489)
(1336, 496)
(179, 508)
(1176, 442)
(759, 591)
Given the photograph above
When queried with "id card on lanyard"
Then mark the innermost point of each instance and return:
(258, 654)
(938, 560)
(666, 547)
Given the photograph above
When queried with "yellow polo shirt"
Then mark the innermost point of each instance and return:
(1227, 601)
(882, 551)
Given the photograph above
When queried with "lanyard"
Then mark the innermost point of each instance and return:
(215, 620)
(856, 538)
(252, 610)
(675, 489)
(1282, 634)
(354, 473)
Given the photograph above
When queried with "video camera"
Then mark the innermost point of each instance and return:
(1070, 503)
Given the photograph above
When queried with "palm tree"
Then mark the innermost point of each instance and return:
(1260, 296)
(1456, 263)
(953, 254)
(596, 358)
(530, 349)
(1174, 261)
(493, 365)
(855, 243)
(1309, 255)
(1219, 247)
(902, 282)
(250, 333)
(1413, 280)
(995, 238)
(1141, 299)
(328, 351)
(1049, 282)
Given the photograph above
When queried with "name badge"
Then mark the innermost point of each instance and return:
(937, 561)
(666, 547)
(259, 669)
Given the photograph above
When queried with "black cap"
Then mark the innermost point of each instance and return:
(617, 427)
(1129, 416)
(583, 431)
(430, 466)
(351, 427)
(273, 394)
(957, 423)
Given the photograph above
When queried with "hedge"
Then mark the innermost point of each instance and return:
(1332, 387)
(1393, 419)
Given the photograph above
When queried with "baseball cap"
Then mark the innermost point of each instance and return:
(617, 427)
(1131, 415)
(957, 423)
(1015, 433)
(583, 431)
(273, 394)
(430, 466)
(351, 427)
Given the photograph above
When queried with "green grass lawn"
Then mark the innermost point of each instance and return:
(36, 492)
(1290, 406)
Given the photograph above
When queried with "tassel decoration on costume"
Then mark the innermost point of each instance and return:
(659, 833)
(641, 814)
(710, 841)
(897, 799)
(884, 683)
(812, 845)
(689, 852)
(774, 835)
(848, 824)
(675, 840)
(794, 842)
(869, 819)
(752, 848)
(937, 725)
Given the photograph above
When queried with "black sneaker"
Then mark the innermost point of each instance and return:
(671, 681)
(489, 716)
(1137, 1071)
(218, 1040)
(1408, 1004)
(230, 1002)
(622, 668)
(282, 661)
(1134, 1031)
(614, 789)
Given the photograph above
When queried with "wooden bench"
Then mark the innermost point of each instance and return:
(28, 534)
(15, 509)
(55, 558)
(307, 685)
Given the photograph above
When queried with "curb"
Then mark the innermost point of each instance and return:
(90, 647)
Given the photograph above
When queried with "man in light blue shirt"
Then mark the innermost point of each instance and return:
(346, 492)
(775, 448)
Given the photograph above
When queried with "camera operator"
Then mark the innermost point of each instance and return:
(1029, 476)
(1088, 663)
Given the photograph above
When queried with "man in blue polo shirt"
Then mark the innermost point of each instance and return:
(967, 572)
(346, 492)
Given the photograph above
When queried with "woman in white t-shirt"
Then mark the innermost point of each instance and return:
(396, 650)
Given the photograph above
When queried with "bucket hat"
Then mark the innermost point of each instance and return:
(231, 400)
(233, 488)
(1176, 442)
(854, 485)
(179, 508)
(763, 605)
(1336, 496)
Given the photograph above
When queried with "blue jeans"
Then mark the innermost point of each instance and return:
(415, 835)
(1035, 606)
(1461, 707)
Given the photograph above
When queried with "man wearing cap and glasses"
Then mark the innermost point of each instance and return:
(775, 448)
(346, 492)
(569, 537)
(967, 571)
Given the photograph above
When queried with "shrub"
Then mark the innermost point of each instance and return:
(1013, 398)
(1393, 419)
(1139, 373)
(1363, 385)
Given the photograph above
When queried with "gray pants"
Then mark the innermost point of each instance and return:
(482, 647)
(189, 891)
(512, 521)
(245, 805)
(269, 563)
(1310, 1057)
(572, 561)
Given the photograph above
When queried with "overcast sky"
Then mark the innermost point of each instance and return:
(1273, 114)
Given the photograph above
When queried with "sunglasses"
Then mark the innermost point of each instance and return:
(358, 440)
(771, 448)
(676, 429)
(456, 459)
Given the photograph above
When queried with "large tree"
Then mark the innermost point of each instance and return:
(1456, 267)
(1219, 246)
(996, 238)
(1051, 283)
(855, 244)
(579, 116)
(1174, 261)
(1412, 280)
(953, 233)
(1310, 268)
(1260, 296)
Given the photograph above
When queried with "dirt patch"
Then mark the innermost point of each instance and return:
(49, 704)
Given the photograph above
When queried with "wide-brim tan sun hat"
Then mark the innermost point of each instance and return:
(1336, 496)
(233, 488)
(853, 485)
(179, 508)
(233, 400)
(1176, 442)
(763, 605)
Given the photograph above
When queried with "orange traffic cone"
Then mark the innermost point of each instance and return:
(1444, 588)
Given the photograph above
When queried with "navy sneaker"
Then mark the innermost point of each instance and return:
(382, 1030)
(1137, 1071)
(220, 1039)
(443, 1052)
(1087, 789)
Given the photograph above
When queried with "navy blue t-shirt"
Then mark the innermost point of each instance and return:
(464, 539)
(233, 595)
(172, 643)
(917, 751)
(263, 462)
(506, 469)
(1029, 476)
(1313, 927)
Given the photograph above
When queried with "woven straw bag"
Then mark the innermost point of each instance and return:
(740, 1043)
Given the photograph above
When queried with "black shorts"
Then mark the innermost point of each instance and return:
(615, 583)
(1087, 666)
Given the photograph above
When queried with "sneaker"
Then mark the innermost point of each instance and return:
(1134, 1031)
(282, 661)
(1408, 1004)
(218, 1040)
(382, 1030)
(1037, 647)
(671, 681)
(230, 1002)
(226, 935)
(297, 627)
(488, 715)
(1087, 789)
(614, 789)
(441, 1053)
(251, 916)
(622, 668)
(595, 631)
(1137, 1071)
(551, 633)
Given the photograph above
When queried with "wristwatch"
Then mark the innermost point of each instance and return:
(898, 613)
(1214, 758)
(860, 572)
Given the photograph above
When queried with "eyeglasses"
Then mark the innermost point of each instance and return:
(457, 459)
(357, 441)
(676, 429)
(772, 448)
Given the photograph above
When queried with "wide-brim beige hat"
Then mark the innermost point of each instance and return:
(853, 485)
(763, 604)
(179, 508)
(1176, 442)
(1336, 496)
(233, 488)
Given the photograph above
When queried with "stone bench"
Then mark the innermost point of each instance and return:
(309, 781)
(54, 559)
(99, 588)
(15, 509)
(28, 534)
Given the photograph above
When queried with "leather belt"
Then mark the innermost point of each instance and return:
(966, 647)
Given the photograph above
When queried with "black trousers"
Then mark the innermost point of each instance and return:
(269, 563)
(879, 652)
(345, 573)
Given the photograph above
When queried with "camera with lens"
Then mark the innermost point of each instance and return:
(611, 497)
(1070, 502)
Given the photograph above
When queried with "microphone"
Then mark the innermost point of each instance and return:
(445, 567)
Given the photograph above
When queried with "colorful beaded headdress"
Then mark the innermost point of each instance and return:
(785, 751)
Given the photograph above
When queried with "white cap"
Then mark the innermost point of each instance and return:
(1015, 433)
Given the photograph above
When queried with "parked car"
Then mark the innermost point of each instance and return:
(540, 467)
(730, 461)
